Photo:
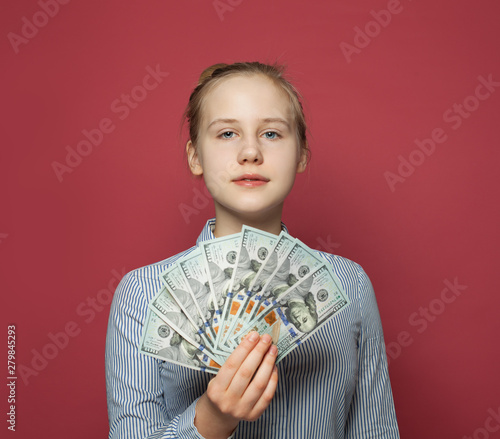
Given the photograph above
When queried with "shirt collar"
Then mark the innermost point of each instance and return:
(207, 232)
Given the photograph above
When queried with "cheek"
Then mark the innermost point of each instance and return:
(213, 187)
(287, 163)
(290, 169)
(215, 178)
(219, 164)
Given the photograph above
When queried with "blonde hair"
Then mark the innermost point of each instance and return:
(216, 73)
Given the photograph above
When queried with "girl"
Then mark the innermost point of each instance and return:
(248, 141)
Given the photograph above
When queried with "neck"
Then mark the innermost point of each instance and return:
(227, 223)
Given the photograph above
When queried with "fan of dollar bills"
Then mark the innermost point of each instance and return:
(232, 285)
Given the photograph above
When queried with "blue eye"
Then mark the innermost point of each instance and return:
(227, 135)
(271, 135)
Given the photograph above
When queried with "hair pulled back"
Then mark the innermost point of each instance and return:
(214, 75)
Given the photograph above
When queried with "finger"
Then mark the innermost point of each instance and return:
(252, 363)
(234, 361)
(266, 396)
(260, 380)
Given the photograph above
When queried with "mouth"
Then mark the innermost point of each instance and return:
(250, 180)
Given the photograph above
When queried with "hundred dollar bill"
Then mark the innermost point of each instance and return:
(268, 271)
(296, 265)
(170, 312)
(299, 263)
(301, 311)
(161, 341)
(177, 285)
(220, 256)
(196, 275)
(255, 249)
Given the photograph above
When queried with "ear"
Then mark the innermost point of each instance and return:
(193, 159)
(302, 163)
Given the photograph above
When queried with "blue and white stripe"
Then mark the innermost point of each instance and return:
(334, 385)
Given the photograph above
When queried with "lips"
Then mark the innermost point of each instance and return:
(250, 180)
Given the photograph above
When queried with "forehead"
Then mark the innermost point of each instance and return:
(298, 306)
(245, 97)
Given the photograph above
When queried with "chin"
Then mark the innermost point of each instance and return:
(250, 205)
(257, 211)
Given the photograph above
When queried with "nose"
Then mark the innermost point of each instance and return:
(250, 152)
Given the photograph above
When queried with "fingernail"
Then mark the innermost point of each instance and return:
(273, 350)
(266, 338)
(253, 336)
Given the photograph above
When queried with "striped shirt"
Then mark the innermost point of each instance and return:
(334, 385)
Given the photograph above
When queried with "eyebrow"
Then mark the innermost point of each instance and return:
(266, 120)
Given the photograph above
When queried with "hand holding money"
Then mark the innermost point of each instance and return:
(242, 390)
(230, 287)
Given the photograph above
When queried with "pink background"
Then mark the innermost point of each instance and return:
(63, 242)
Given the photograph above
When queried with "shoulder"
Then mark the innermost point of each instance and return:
(349, 272)
(359, 289)
(355, 283)
(152, 271)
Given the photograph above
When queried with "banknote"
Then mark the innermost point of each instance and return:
(298, 264)
(170, 312)
(196, 275)
(177, 285)
(161, 341)
(255, 248)
(220, 256)
(300, 311)
(253, 280)
(265, 275)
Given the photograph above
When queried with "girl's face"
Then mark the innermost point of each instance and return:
(247, 151)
